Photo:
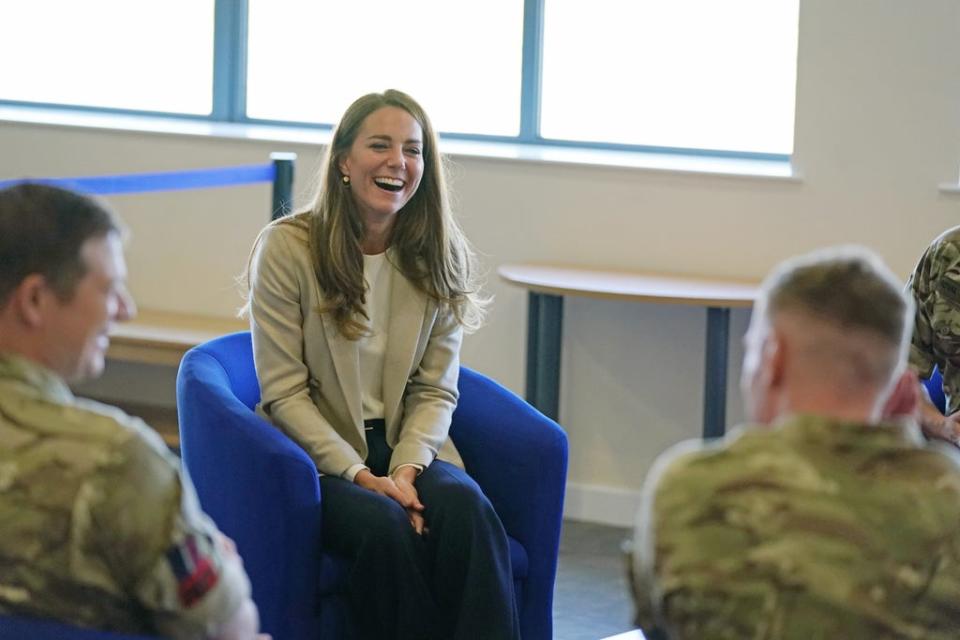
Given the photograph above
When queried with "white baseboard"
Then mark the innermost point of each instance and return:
(601, 504)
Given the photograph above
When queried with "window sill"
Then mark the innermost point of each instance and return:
(526, 153)
(950, 187)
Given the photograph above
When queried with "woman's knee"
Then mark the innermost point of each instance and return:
(463, 500)
(389, 524)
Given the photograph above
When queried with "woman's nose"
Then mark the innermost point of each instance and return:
(396, 158)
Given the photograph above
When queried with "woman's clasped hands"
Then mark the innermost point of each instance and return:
(398, 487)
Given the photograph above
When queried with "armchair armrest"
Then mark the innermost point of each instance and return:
(259, 487)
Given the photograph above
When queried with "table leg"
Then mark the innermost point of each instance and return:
(715, 372)
(544, 333)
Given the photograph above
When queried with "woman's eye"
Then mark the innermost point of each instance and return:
(414, 151)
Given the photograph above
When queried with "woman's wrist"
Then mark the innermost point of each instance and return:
(408, 472)
(363, 477)
(351, 473)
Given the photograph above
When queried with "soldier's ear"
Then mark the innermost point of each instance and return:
(774, 359)
(29, 300)
(903, 398)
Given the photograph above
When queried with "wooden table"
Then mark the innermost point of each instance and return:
(548, 284)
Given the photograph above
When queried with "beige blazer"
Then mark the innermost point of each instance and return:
(309, 373)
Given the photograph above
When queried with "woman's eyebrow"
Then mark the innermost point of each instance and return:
(386, 138)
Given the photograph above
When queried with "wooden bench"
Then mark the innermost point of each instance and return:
(161, 338)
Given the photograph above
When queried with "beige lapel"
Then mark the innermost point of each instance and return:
(346, 362)
(408, 307)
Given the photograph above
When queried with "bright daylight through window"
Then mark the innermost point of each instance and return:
(154, 56)
(699, 75)
(696, 74)
(461, 60)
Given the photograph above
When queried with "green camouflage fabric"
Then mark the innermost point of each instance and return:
(97, 526)
(935, 287)
(815, 529)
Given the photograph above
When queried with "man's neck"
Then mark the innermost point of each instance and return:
(24, 347)
(859, 409)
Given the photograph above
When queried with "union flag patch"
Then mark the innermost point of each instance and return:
(193, 569)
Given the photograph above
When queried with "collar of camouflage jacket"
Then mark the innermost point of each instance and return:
(834, 431)
(24, 371)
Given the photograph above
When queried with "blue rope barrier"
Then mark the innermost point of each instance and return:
(166, 181)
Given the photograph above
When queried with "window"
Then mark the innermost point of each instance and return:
(308, 60)
(155, 56)
(697, 74)
(716, 78)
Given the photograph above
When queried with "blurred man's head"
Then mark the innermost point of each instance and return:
(62, 278)
(828, 336)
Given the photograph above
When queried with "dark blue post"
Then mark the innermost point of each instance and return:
(544, 340)
(715, 373)
(282, 184)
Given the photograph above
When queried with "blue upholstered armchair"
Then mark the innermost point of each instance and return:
(262, 490)
(26, 628)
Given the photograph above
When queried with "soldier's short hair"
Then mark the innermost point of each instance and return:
(847, 287)
(42, 230)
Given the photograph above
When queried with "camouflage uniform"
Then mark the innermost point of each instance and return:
(814, 529)
(935, 287)
(97, 527)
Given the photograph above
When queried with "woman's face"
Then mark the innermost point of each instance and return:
(385, 163)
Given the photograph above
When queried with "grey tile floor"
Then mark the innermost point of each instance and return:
(591, 599)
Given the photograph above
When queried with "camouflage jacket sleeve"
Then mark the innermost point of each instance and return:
(164, 549)
(920, 288)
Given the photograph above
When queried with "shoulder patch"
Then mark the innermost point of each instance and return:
(193, 568)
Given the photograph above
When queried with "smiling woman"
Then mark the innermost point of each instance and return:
(383, 169)
(358, 306)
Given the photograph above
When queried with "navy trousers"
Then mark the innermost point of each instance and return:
(453, 582)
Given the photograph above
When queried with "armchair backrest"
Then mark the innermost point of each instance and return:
(234, 353)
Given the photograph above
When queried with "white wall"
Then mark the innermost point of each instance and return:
(877, 130)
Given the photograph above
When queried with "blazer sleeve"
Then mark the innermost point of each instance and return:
(276, 324)
(431, 395)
